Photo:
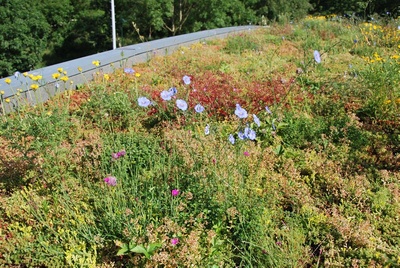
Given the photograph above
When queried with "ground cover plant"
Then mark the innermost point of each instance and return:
(277, 147)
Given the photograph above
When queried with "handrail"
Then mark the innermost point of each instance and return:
(129, 55)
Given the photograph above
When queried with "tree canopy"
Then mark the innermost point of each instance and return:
(37, 33)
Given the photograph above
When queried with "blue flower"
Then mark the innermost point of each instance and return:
(240, 112)
(231, 139)
(241, 135)
(207, 129)
(256, 120)
(317, 56)
(251, 135)
(166, 95)
(173, 91)
(129, 70)
(181, 104)
(199, 108)
(268, 110)
(187, 80)
(143, 102)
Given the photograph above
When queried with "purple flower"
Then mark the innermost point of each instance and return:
(166, 95)
(246, 153)
(181, 104)
(129, 71)
(174, 241)
(207, 129)
(175, 192)
(317, 56)
(240, 112)
(112, 181)
(118, 154)
(256, 120)
(143, 102)
(199, 108)
(121, 153)
(187, 80)
(231, 139)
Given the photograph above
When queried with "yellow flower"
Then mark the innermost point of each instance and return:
(96, 63)
(64, 78)
(7, 80)
(34, 87)
(49, 113)
(106, 76)
(80, 69)
(25, 74)
(36, 77)
(7, 100)
(60, 70)
(137, 74)
(387, 101)
(56, 75)
(2, 92)
(397, 100)
(65, 72)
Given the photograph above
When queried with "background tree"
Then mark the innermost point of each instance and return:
(24, 33)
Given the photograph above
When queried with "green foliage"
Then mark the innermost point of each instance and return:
(24, 33)
(93, 179)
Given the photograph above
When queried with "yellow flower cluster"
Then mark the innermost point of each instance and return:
(35, 77)
(380, 35)
(316, 18)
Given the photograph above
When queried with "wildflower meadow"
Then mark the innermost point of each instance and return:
(275, 147)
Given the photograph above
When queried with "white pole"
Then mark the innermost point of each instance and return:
(114, 35)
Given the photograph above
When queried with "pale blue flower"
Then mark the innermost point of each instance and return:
(16, 74)
(256, 120)
(268, 110)
(251, 135)
(199, 108)
(166, 95)
(187, 80)
(143, 101)
(241, 135)
(181, 104)
(207, 129)
(317, 56)
(231, 139)
(129, 71)
(240, 112)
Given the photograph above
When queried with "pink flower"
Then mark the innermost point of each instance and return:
(246, 153)
(175, 192)
(174, 241)
(118, 154)
(112, 181)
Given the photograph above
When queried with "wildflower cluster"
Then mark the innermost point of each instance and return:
(168, 95)
(247, 132)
